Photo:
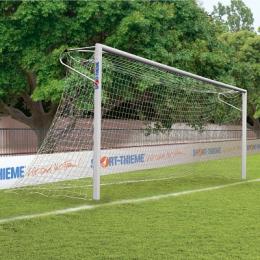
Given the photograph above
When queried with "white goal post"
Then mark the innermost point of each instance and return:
(99, 49)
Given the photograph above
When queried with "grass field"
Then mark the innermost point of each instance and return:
(213, 224)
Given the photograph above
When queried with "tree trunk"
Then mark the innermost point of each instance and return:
(256, 128)
(39, 119)
(40, 133)
(254, 122)
(41, 124)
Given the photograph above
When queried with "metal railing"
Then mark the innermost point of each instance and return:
(15, 141)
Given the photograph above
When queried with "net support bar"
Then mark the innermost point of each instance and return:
(97, 122)
(244, 134)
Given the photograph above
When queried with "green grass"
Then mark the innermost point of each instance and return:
(220, 224)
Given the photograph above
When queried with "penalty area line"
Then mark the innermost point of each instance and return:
(121, 202)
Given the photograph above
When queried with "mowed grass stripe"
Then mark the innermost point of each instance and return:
(132, 186)
(121, 202)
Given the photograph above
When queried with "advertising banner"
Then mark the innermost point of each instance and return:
(75, 165)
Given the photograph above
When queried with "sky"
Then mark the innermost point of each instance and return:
(254, 5)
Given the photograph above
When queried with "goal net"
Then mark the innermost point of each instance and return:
(121, 114)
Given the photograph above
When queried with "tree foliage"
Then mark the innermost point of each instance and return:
(176, 32)
(244, 68)
(237, 16)
(33, 34)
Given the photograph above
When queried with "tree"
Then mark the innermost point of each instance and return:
(237, 16)
(244, 69)
(171, 38)
(33, 34)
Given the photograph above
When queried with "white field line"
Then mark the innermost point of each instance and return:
(122, 202)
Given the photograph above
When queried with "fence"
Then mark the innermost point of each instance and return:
(19, 140)
(14, 141)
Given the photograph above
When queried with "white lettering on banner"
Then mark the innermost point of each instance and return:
(74, 165)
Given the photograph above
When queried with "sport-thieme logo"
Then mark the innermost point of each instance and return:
(104, 161)
(121, 160)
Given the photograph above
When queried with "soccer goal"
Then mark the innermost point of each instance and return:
(121, 113)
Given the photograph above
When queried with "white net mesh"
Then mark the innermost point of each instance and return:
(151, 118)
